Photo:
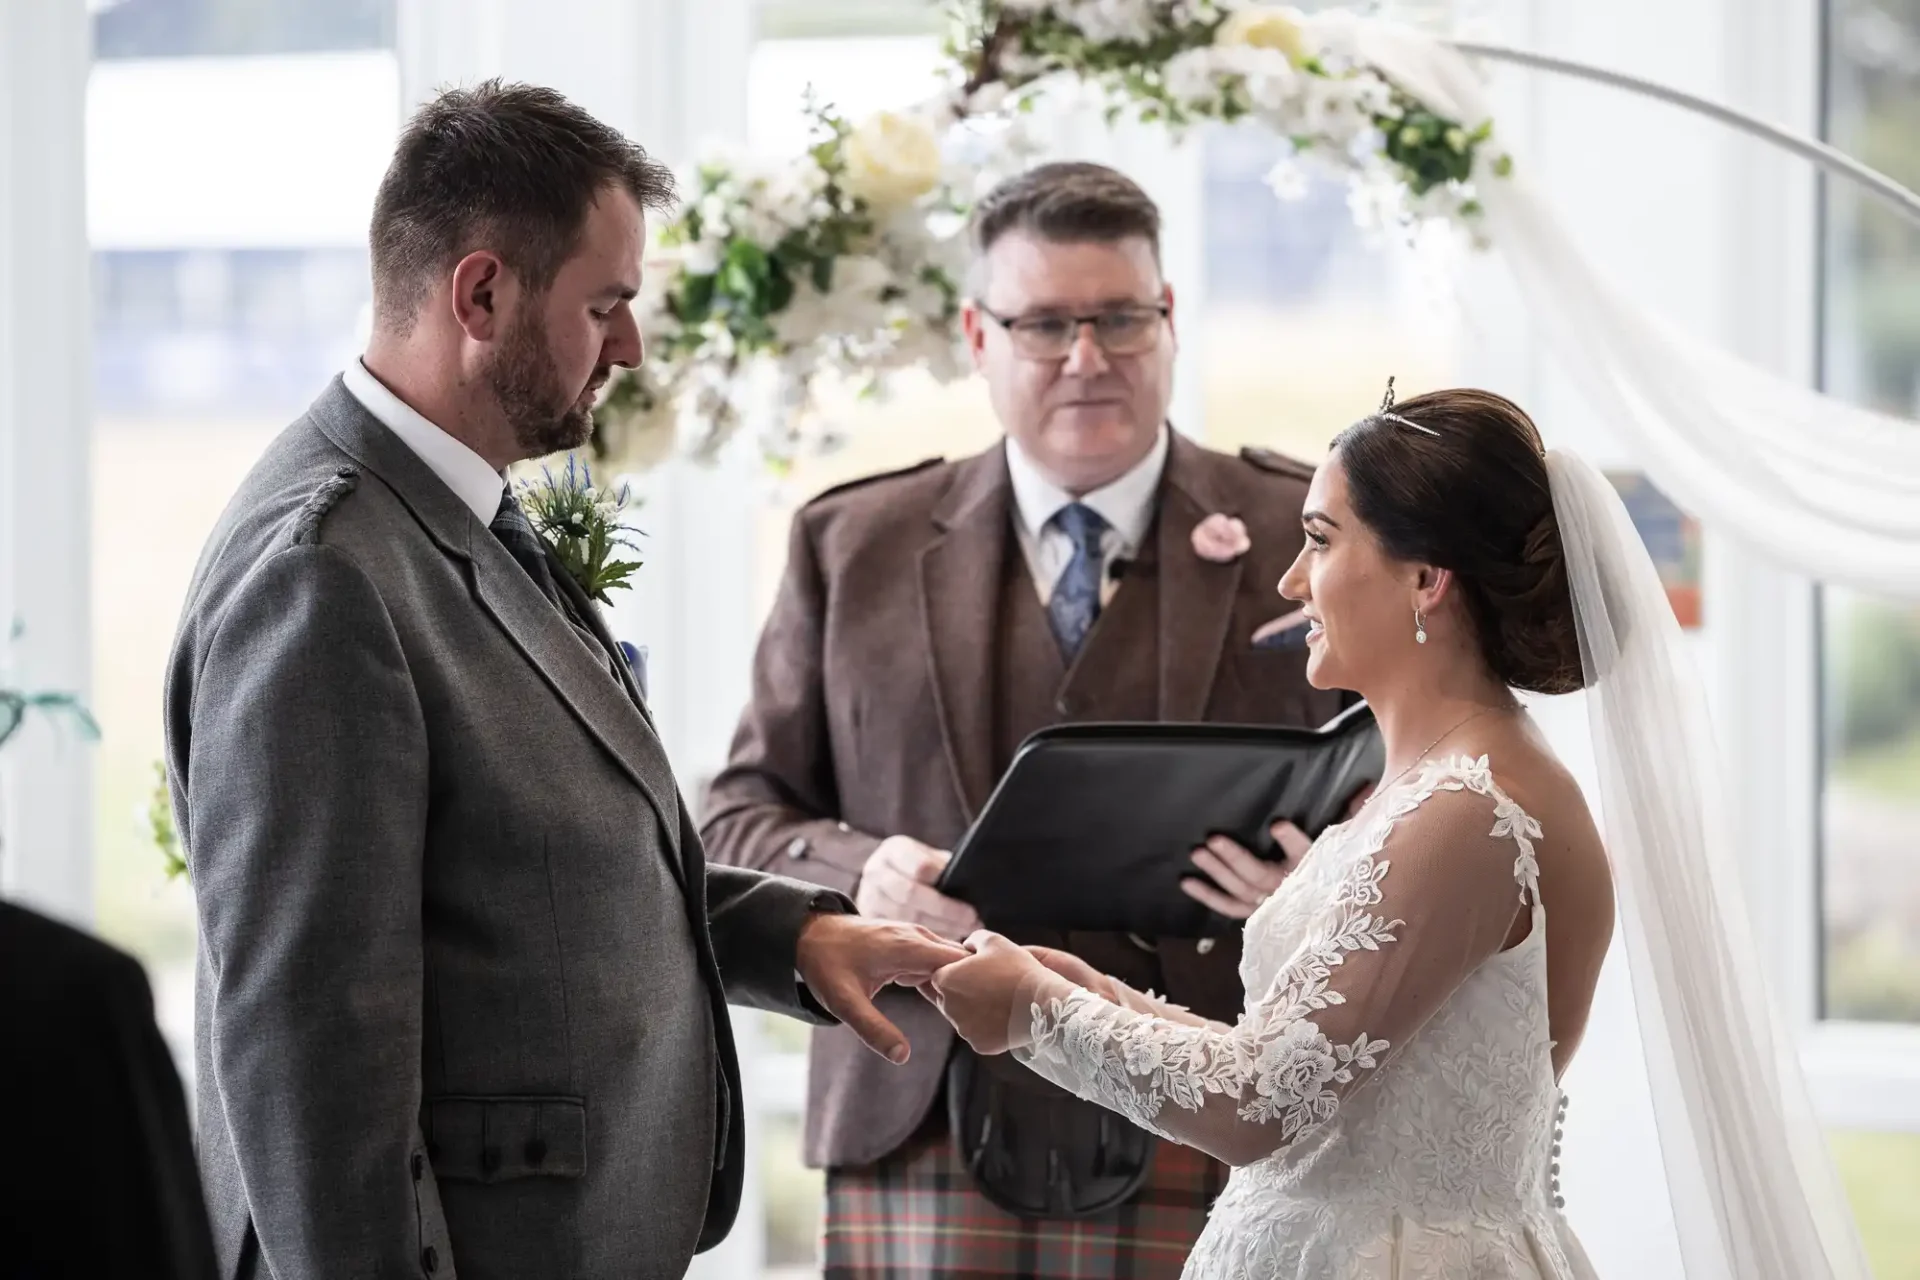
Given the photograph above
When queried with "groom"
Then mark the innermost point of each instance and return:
(463, 969)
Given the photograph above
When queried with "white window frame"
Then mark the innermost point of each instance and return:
(1757, 292)
(46, 432)
(1861, 1075)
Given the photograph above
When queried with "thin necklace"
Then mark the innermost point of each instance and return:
(1381, 790)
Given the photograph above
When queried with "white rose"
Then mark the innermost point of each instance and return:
(1189, 77)
(893, 159)
(1270, 83)
(1113, 21)
(1265, 27)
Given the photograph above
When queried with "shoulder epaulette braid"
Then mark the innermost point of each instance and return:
(860, 482)
(1278, 463)
(306, 525)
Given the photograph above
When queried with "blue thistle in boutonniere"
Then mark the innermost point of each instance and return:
(582, 525)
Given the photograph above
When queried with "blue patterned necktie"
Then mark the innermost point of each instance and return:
(1075, 602)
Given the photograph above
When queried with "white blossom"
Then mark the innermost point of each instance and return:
(1189, 75)
(1111, 21)
(1289, 179)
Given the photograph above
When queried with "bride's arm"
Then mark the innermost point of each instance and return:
(1399, 936)
(1155, 1007)
(1078, 973)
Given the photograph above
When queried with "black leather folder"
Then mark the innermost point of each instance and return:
(1093, 826)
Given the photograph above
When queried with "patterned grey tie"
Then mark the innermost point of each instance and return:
(1075, 602)
(515, 531)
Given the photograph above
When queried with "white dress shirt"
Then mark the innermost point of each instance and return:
(462, 470)
(1126, 505)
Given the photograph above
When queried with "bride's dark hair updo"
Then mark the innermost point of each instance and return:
(1458, 479)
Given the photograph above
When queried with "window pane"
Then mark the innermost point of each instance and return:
(221, 307)
(794, 1195)
(1882, 1176)
(1870, 649)
(1307, 315)
(224, 28)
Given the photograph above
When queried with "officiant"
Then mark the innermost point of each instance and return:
(1097, 565)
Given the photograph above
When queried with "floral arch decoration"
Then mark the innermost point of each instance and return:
(846, 262)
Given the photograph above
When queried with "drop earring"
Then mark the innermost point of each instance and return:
(1419, 628)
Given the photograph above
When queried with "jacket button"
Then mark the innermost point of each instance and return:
(536, 1150)
(797, 848)
(419, 1166)
(429, 1260)
(1204, 947)
(489, 1159)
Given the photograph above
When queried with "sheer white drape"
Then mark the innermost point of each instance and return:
(1827, 489)
(1824, 488)
(1754, 1189)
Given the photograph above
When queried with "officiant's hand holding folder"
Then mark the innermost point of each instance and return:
(1092, 825)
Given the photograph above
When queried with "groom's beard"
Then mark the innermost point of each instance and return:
(526, 385)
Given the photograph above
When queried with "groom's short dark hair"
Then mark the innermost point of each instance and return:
(507, 167)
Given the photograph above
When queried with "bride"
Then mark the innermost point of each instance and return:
(1420, 980)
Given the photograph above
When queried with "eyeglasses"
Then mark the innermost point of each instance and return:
(1121, 331)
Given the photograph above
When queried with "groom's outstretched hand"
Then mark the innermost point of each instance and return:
(845, 959)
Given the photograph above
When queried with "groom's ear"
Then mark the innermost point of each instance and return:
(479, 280)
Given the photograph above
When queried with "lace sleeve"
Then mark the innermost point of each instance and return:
(1433, 899)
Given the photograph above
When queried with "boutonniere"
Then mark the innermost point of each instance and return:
(1221, 538)
(582, 525)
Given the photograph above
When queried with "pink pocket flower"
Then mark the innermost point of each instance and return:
(1221, 538)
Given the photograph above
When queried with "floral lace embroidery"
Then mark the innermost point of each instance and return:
(1277, 1063)
(1510, 821)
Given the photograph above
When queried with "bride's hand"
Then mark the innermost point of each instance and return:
(980, 995)
(1076, 971)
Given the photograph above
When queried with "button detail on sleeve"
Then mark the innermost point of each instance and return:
(797, 848)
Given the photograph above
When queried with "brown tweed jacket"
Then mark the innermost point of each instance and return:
(871, 714)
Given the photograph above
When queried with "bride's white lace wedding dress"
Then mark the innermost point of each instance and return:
(1388, 1096)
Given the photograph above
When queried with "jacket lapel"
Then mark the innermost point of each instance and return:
(589, 612)
(959, 598)
(1196, 595)
(539, 630)
(505, 591)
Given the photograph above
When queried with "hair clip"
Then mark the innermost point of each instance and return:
(1386, 411)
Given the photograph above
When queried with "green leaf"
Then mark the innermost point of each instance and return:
(694, 301)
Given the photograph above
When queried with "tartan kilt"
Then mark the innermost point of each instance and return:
(917, 1215)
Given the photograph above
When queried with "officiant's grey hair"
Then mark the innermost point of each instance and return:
(511, 168)
(1066, 202)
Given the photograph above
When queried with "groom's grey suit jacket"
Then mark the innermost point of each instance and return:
(463, 966)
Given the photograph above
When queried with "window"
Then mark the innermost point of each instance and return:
(221, 305)
(1869, 835)
(1306, 315)
(1870, 648)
